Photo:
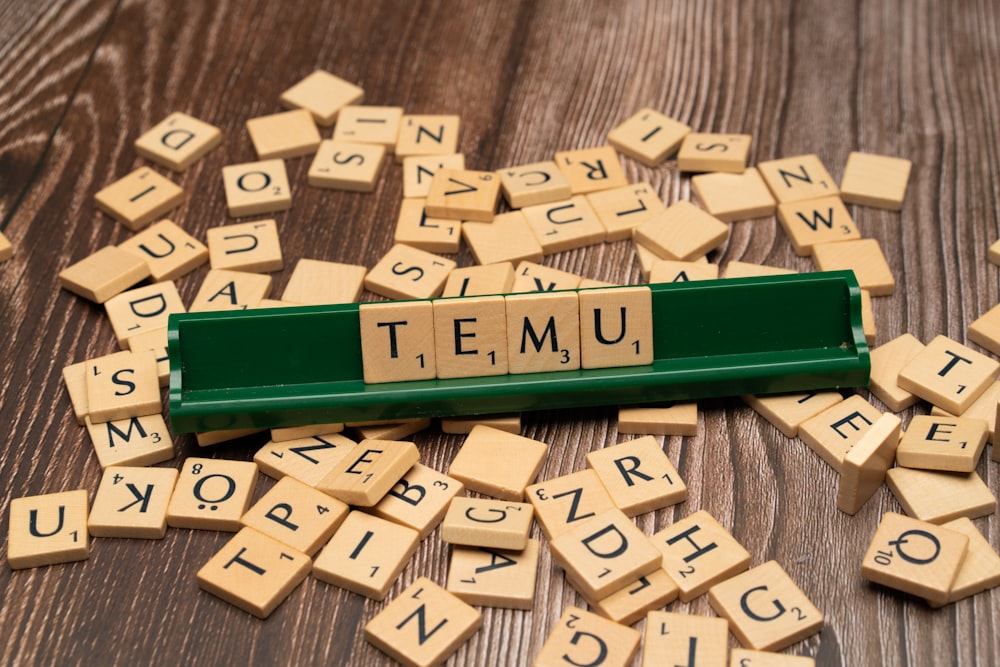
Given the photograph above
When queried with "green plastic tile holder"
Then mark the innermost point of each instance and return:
(301, 365)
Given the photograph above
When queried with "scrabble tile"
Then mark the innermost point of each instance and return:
(209, 438)
(867, 317)
(946, 444)
(254, 188)
(497, 463)
(667, 419)
(323, 94)
(732, 197)
(423, 626)
(105, 273)
(865, 464)
(887, 360)
(684, 639)
(249, 246)
(875, 180)
(415, 228)
(638, 475)
(366, 555)
(254, 572)
(395, 430)
(479, 344)
(714, 152)
(48, 529)
(737, 269)
(122, 385)
(6, 249)
(419, 499)
(591, 169)
(648, 136)
(564, 225)
(155, 340)
(533, 184)
(797, 178)
(993, 254)
(408, 273)
(212, 494)
(670, 271)
(296, 514)
(864, 257)
(461, 194)
(419, 170)
(480, 280)
(563, 501)
(75, 378)
(584, 638)
(142, 309)
(984, 407)
(646, 258)
(178, 141)
(397, 341)
(135, 441)
(494, 578)
(427, 135)
(507, 239)
(985, 330)
(980, 569)
(838, 428)
(369, 125)
(307, 459)
(914, 556)
(543, 332)
(938, 497)
(787, 411)
(699, 553)
(509, 422)
(745, 657)
(484, 522)
(167, 250)
(616, 327)
(139, 198)
(230, 290)
(620, 210)
(630, 604)
(532, 277)
(299, 432)
(367, 474)
(812, 221)
(315, 282)
(284, 135)
(339, 165)
(765, 609)
(604, 553)
(948, 374)
(132, 502)
(682, 232)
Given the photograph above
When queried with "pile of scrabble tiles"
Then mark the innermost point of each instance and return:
(352, 511)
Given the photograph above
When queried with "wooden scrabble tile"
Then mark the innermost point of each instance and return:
(122, 385)
(367, 474)
(744, 657)
(532, 277)
(668, 419)
(48, 529)
(638, 475)
(75, 378)
(423, 626)
(307, 459)
(366, 555)
(483, 522)
(699, 553)
(984, 407)
(296, 514)
(584, 638)
(765, 609)
(616, 327)
(813, 221)
(648, 136)
(419, 500)
(684, 639)
(299, 432)
(212, 494)
(507, 239)
(670, 271)
(461, 194)
(105, 273)
(323, 94)
(732, 197)
(6, 249)
(254, 572)
(253, 188)
(646, 258)
(408, 273)
(603, 553)
(419, 170)
(948, 374)
(480, 280)
(863, 468)
(139, 198)
(714, 152)
(369, 125)
(737, 269)
(887, 360)
(415, 228)
(543, 332)
(249, 246)
(985, 330)
(427, 135)
(284, 135)
(230, 290)
(838, 428)
(497, 463)
(864, 257)
(209, 438)
(178, 141)
(142, 309)
(563, 501)
(993, 254)
(397, 341)
(867, 317)
(494, 578)
(473, 336)
(938, 497)
(787, 411)
(564, 225)
(682, 232)
(533, 184)
(167, 250)
(940, 443)
(315, 282)
(132, 502)
(591, 169)
(980, 569)
(509, 422)
(620, 210)
(914, 556)
(136, 441)
(392, 430)
(875, 180)
(630, 604)
(339, 165)
(797, 178)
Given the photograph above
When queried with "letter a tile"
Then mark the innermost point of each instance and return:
(48, 529)
(584, 638)
(494, 578)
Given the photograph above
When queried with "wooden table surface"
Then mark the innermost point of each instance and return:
(79, 81)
